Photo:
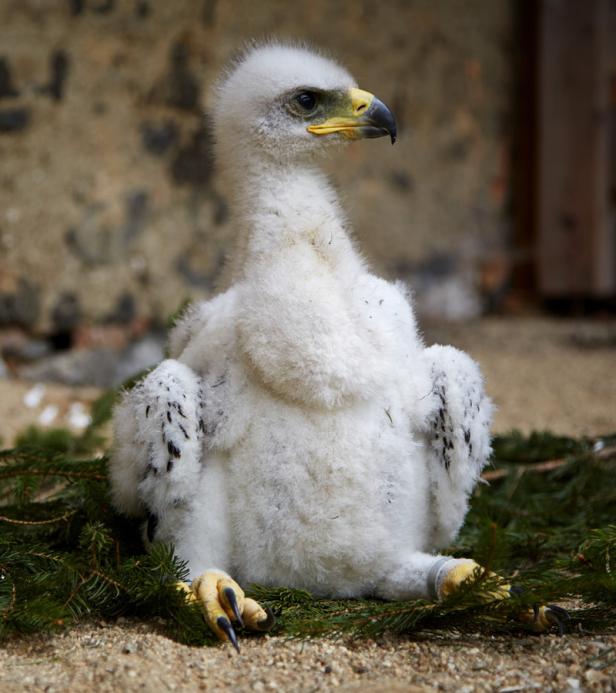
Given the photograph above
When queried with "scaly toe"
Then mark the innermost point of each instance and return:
(555, 616)
(256, 617)
(539, 619)
(223, 603)
(543, 618)
(187, 590)
(467, 570)
(222, 600)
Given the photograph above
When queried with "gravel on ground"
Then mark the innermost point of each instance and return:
(543, 374)
(130, 656)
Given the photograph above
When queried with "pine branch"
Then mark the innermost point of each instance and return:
(65, 556)
(32, 523)
(536, 467)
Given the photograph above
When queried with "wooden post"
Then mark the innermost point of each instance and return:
(576, 197)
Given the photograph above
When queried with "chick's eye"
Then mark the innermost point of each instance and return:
(307, 100)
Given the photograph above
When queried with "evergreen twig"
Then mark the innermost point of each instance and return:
(66, 556)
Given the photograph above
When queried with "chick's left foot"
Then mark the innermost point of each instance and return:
(543, 618)
(224, 603)
(540, 619)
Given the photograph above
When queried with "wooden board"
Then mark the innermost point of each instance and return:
(576, 198)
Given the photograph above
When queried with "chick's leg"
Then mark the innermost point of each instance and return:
(224, 603)
(450, 574)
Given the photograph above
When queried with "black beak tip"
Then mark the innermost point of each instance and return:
(392, 128)
(380, 121)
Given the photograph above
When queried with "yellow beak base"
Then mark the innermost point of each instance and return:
(363, 115)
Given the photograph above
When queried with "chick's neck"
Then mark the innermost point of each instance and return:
(276, 205)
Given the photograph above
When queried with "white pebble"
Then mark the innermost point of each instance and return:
(34, 396)
(78, 417)
(48, 415)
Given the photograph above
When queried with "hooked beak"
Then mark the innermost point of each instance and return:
(362, 115)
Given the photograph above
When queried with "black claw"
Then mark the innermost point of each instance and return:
(559, 611)
(268, 623)
(232, 599)
(225, 625)
(561, 627)
(557, 616)
(151, 526)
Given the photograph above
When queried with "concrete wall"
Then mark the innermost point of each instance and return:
(109, 205)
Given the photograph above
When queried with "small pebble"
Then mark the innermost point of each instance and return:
(86, 658)
(34, 396)
(48, 415)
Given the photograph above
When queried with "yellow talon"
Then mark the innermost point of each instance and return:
(223, 601)
(256, 617)
(455, 577)
(543, 618)
(187, 589)
(540, 619)
(462, 572)
(218, 593)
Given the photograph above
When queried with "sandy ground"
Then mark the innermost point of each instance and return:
(557, 375)
(132, 657)
(23, 404)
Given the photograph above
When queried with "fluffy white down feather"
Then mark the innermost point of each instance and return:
(301, 434)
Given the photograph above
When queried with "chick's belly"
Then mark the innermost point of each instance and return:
(323, 509)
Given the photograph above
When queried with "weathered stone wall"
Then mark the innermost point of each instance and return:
(109, 205)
